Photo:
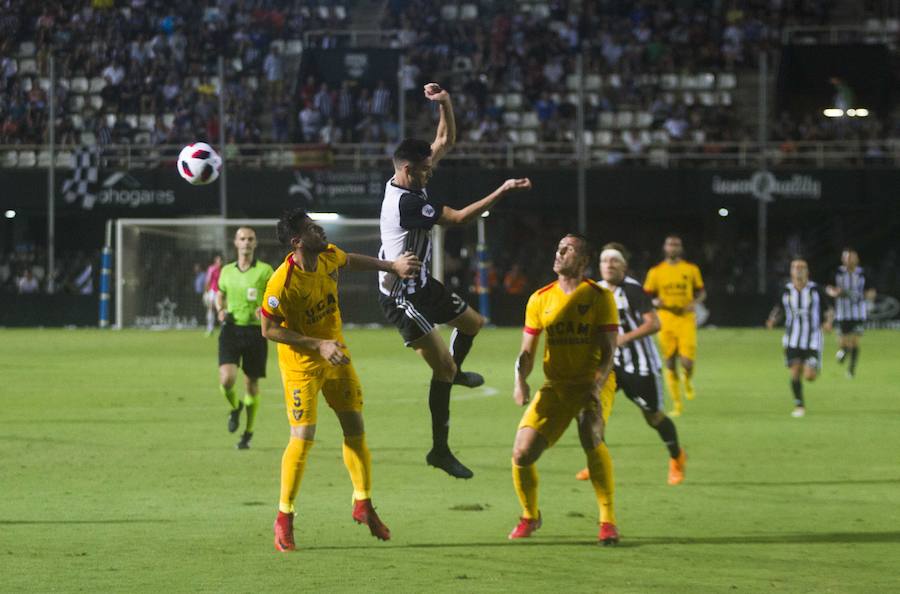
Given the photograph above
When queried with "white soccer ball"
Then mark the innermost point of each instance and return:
(199, 164)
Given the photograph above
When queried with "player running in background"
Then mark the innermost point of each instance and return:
(849, 292)
(240, 289)
(806, 313)
(636, 362)
(417, 305)
(677, 289)
(209, 292)
(582, 323)
(301, 313)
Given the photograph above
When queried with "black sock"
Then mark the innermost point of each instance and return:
(854, 355)
(439, 403)
(797, 388)
(460, 345)
(669, 435)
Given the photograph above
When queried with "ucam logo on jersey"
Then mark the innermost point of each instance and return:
(273, 301)
(428, 211)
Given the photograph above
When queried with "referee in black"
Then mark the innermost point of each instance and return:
(636, 361)
(806, 313)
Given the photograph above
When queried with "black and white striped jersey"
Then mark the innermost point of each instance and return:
(851, 303)
(407, 217)
(639, 356)
(804, 314)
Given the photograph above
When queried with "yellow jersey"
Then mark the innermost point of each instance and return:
(306, 302)
(573, 322)
(674, 284)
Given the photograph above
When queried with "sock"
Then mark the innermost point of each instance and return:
(686, 378)
(230, 395)
(439, 403)
(841, 354)
(293, 463)
(525, 480)
(358, 461)
(460, 345)
(210, 320)
(251, 403)
(797, 388)
(854, 355)
(601, 468)
(673, 385)
(669, 435)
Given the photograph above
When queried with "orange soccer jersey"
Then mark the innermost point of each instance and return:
(572, 322)
(306, 302)
(674, 284)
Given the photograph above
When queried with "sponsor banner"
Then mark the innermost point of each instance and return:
(358, 192)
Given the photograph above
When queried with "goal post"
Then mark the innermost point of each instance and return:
(158, 261)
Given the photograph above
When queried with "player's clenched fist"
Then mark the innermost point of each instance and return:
(434, 92)
(514, 185)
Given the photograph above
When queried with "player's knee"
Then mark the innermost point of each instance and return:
(445, 370)
(687, 363)
(810, 375)
(654, 418)
(523, 455)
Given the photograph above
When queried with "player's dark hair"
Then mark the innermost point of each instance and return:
(850, 248)
(799, 257)
(615, 245)
(675, 236)
(291, 225)
(412, 150)
(587, 248)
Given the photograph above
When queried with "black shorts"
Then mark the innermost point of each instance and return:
(416, 315)
(245, 347)
(851, 326)
(644, 390)
(809, 357)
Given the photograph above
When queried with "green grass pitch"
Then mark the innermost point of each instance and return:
(117, 474)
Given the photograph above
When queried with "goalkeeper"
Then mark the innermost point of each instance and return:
(241, 287)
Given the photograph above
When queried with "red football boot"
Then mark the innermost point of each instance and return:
(608, 534)
(525, 528)
(364, 513)
(284, 532)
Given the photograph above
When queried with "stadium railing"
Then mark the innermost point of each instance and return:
(799, 154)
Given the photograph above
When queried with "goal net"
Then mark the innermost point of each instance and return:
(158, 262)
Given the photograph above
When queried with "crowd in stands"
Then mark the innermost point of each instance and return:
(145, 71)
(24, 271)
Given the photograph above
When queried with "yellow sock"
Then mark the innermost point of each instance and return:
(293, 463)
(358, 461)
(673, 385)
(601, 469)
(686, 375)
(525, 480)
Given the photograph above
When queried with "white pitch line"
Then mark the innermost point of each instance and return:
(476, 394)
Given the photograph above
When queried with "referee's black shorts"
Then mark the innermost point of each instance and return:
(417, 314)
(245, 347)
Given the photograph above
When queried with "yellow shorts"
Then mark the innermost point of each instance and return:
(340, 386)
(678, 335)
(555, 405)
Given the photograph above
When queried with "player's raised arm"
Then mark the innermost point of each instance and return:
(445, 137)
(407, 265)
(451, 216)
(524, 365)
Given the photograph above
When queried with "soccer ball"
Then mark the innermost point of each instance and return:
(199, 164)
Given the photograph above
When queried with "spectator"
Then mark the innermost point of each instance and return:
(515, 282)
(27, 284)
(310, 122)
